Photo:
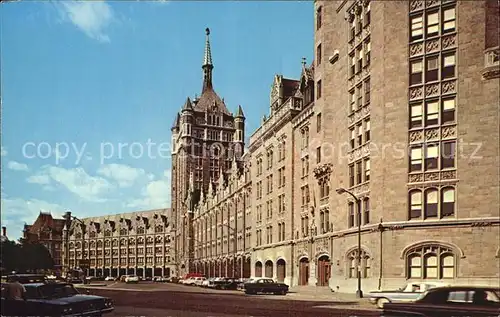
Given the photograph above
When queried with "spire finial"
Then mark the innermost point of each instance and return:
(207, 63)
(304, 61)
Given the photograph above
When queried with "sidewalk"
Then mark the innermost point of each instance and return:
(316, 293)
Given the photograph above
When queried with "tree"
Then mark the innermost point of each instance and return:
(25, 256)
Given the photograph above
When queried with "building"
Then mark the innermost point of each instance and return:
(394, 110)
(4, 237)
(47, 231)
(207, 141)
(135, 243)
(410, 92)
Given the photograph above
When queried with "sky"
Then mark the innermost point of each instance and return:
(90, 90)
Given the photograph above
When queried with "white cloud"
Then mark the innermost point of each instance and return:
(16, 166)
(17, 211)
(156, 194)
(91, 17)
(160, 2)
(4, 151)
(87, 187)
(124, 175)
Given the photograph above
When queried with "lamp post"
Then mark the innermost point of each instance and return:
(235, 247)
(340, 191)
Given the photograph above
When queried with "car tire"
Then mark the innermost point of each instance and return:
(381, 301)
(283, 292)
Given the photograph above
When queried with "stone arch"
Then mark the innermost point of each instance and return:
(322, 254)
(281, 269)
(498, 253)
(269, 269)
(258, 269)
(363, 248)
(459, 252)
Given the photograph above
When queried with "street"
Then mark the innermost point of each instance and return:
(176, 300)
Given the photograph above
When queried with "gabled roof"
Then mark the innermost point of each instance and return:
(211, 102)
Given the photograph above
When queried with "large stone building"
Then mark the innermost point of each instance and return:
(129, 243)
(399, 109)
(207, 142)
(47, 231)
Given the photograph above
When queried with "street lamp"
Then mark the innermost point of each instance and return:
(340, 191)
(235, 248)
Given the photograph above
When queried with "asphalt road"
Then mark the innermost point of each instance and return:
(202, 304)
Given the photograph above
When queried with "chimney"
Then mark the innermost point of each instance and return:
(4, 231)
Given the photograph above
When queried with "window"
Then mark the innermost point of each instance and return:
(324, 189)
(431, 203)
(353, 138)
(318, 55)
(415, 116)
(350, 216)
(448, 70)
(448, 154)
(430, 262)
(360, 59)
(359, 22)
(358, 172)
(360, 134)
(367, 91)
(366, 209)
(352, 70)
(448, 111)
(367, 130)
(447, 202)
(364, 266)
(416, 28)
(359, 95)
(368, 48)
(416, 159)
(318, 154)
(318, 18)
(415, 204)
(432, 69)
(449, 20)
(432, 113)
(318, 122)
(416, 69)
(318, 89)
(352, 100)
(431, 157)
(432, 24)
(352, 32)
(367, 18)
(351, 175)
(367, 170)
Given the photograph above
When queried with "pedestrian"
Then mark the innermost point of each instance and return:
(15, 290)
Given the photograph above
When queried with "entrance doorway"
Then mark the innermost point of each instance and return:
(304, 271)
(281, 270)
(269, 269)
(324, 267)
(258, 269)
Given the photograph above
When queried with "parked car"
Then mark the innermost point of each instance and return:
(109, 278)
(198, 281)
(408, 293)
(226, 283)
(206, 283)
(241, 283)
(173, 279)
(265, 285)
(131, 279)
(456, 301)
(29, 278)
(56, 299)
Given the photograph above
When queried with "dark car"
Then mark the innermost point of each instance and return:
(456, 301)
(265, 285)
(225, 283)
(28, 278)
(60, 300)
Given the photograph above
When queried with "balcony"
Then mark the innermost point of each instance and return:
(491, 63)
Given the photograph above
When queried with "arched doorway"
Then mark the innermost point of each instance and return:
(304, 271)
(258, 269)
(269, 269)
(323, 270)
(280, 270)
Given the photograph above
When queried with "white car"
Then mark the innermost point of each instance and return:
(109, 278)
(189, 281)
(131, 279)
(198, 281)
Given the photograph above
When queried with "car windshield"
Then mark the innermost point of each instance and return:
(57, 290)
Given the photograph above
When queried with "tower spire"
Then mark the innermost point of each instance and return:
(207, 64)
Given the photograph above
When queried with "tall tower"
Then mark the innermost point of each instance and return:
(206, 137)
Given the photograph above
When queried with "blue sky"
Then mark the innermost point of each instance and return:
(92, 75)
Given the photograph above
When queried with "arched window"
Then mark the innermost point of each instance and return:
(447, 201)
(352, 263)
(430, 262)
(431, 203)
(415, 202)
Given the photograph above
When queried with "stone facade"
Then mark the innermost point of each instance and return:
(135, 243)
(207, 143)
